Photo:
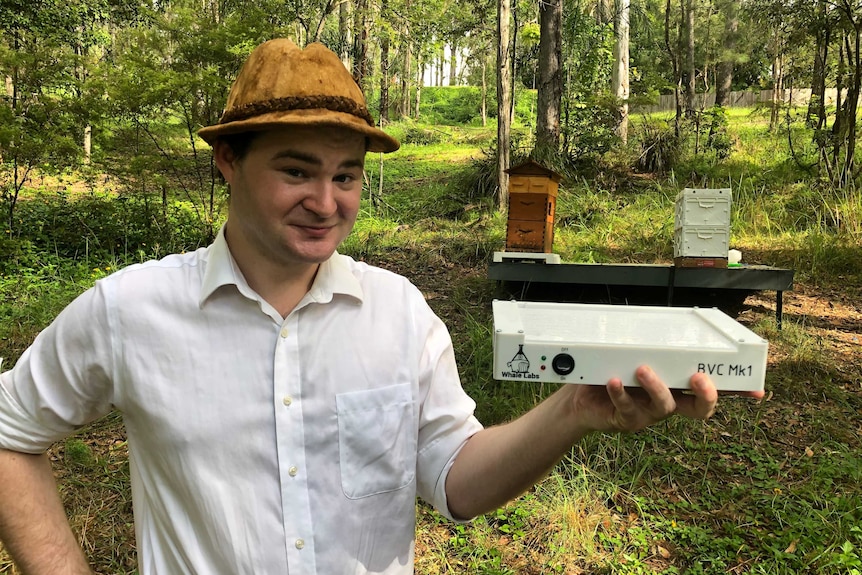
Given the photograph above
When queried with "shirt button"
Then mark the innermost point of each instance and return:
(284, 332)
(287, 400)
(293, 471)
(299, 543)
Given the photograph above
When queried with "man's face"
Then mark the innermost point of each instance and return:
(295, 194)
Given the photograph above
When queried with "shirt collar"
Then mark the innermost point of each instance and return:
(333, 277)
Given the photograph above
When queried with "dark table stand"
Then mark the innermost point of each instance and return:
(746, 277)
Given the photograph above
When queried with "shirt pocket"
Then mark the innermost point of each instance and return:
(376, 440)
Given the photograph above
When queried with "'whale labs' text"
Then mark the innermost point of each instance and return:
(519, 375)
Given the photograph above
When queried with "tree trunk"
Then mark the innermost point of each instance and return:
(687, 41)
(484, 92)
(620, 73)
(777, 90)
(674, 59)
(838, 124)
(441, 64)
(419, 74)
(504, 105)
(816, 114)
(550, 75)
(344, 33)
(852, 106)
(513, 51)
(384, 65)
(406, 72)
(88, 143)
(453, 62)
(406, 76)
(360, 43)
(724, 70)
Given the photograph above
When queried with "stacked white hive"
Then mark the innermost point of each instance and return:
(702, 227)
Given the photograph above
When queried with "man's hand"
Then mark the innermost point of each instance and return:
(617, 408)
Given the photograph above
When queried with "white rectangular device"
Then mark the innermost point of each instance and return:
(590, 344)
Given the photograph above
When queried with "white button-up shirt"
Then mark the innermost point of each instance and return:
(257, 444)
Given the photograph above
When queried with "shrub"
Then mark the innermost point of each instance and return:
(589, 130)
(660, 147)
(451, 105)
(108, 226)
(717, 138)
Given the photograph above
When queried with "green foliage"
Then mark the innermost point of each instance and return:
(659, 146)
(38, 124)
(717, 138)
(455, 105)
(78, 454)
(103, 226)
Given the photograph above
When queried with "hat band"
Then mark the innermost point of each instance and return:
(332, 103)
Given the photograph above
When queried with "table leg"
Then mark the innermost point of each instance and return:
(779, 307)
(670, 283)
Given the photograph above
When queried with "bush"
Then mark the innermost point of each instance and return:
(422, 136)
(589, 130)
(452, 105)
(717, 138)
(660, 147)
(108, 226)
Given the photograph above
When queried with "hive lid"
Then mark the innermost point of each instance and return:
(533, 168)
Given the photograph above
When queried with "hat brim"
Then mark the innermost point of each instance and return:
(378, 140)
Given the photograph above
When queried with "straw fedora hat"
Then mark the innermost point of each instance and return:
(280, 85)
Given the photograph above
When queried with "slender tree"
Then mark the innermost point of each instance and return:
(822, 31)
(550, 85)
(504, 104)
(385, 32)
(673, 55)
(724, 69)
(686, 40)
(620, 72)
(360, 42)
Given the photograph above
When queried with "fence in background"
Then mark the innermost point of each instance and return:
(738, 99)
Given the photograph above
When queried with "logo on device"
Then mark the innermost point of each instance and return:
(519, 363)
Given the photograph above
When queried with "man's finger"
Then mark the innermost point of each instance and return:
(662, 402)
(701, 403)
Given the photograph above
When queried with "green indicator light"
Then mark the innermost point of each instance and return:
(544, 358)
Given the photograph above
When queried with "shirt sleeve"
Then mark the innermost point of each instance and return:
(446, 419)
(63, 381)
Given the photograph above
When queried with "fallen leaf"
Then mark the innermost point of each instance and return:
(809, 452)
(792, 547)
(663, 552)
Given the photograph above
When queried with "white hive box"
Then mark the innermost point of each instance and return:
(590, 344)
(702, 223)
(702, 207)
(700, 242)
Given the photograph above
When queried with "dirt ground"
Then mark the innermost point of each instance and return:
(833, 316)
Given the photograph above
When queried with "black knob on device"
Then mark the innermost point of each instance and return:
(563, 364)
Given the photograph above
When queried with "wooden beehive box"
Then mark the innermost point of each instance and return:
(532, 204)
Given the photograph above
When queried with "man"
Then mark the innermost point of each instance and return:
(284, 404)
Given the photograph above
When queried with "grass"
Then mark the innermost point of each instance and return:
(770, 487)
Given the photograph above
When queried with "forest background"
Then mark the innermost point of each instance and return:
(100, 167)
